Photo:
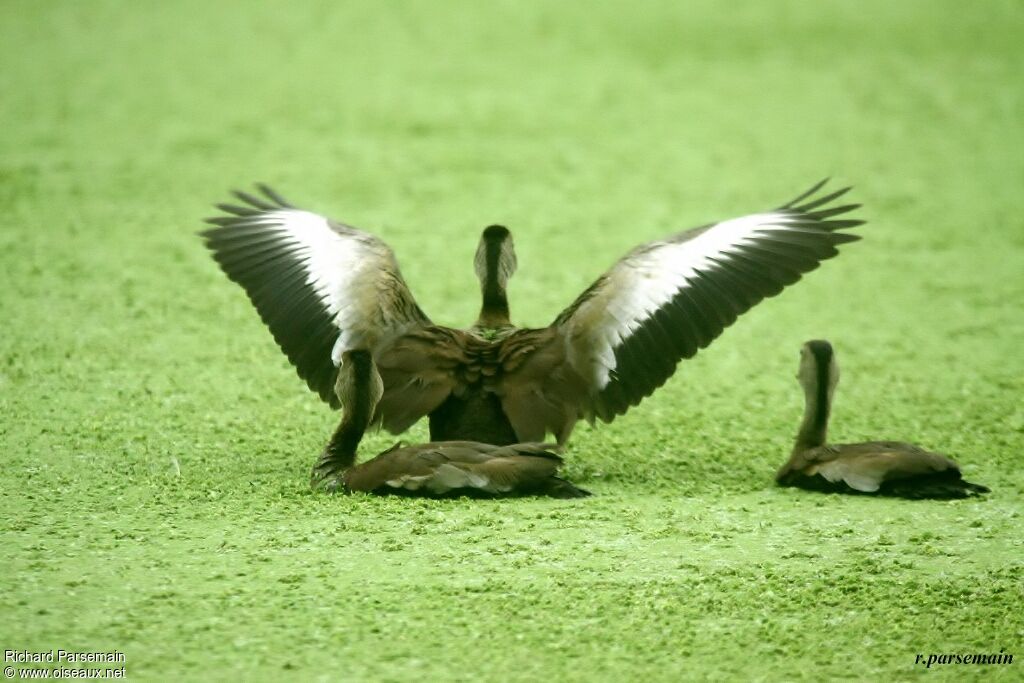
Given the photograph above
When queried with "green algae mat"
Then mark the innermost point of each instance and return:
(157, 444)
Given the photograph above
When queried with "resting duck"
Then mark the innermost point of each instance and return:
(325, 288)
(880, 467)
(447, 468)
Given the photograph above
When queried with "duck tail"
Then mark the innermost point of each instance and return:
(556, 487)
(934, 487)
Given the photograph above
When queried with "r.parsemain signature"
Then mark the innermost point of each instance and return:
(1001, 657)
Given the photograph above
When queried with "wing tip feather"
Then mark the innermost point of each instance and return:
(807, 193)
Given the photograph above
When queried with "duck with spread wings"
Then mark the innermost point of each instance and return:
(324, 288)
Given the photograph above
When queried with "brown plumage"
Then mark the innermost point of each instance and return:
(879, 467)
(447, 468)
(463, 468)
(325, 288)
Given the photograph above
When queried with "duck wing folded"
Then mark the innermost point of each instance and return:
(885, 467)
(463, 468)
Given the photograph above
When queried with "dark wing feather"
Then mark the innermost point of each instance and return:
(322, 287)
(666, 300)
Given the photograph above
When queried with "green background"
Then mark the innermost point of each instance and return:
(157, 444)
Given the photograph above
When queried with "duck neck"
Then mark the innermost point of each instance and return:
(494, 312)
(356, 417)
(817, 406)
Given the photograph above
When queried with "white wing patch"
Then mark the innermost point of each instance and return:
(838, 470)
(649, 279)
(322, 287)
(444, 478)
(345, 271)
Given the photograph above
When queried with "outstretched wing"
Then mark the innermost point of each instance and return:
(322, 287)
(667, 299)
